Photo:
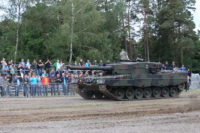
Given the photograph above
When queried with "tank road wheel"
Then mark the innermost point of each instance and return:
(130, 94)
(119, 93)
(173, 92)
(165, 92)
(147, 92)
(139, 93)
(156, 92)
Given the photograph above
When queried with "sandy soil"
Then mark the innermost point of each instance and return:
(75, 115)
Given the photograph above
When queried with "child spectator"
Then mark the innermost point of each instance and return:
(45, 84)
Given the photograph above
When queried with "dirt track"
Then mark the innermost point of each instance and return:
(73, 114)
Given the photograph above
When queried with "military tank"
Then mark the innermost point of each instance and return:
(127, 80)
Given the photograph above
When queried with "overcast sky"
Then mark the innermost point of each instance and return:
(196, 13)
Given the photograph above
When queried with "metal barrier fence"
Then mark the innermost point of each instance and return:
(13, 90)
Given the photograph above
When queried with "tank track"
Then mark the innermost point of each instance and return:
(104, 91)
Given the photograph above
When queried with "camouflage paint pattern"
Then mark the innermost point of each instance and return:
(125, 75)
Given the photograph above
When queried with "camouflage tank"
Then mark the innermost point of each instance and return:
(130, 80)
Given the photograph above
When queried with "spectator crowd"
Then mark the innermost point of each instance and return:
(41, 78)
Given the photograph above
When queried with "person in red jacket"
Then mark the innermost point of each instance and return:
(45, 84)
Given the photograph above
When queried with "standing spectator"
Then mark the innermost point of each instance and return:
(88, 64)
(64, 83)
(34, 66)
(19, 67)
(33, 82)
(57, 65)
(40, 67)
(26, 86)
(75, 63)
(48, 65)
(39, 88)
(45, 74)
(53, 85)
(80, 62)
(21, 74)
(1, 88)
(163, 68)
(12, 70)
(28, 65)
(58, 82)
(17, 81)
(70, 79)
(189, 79)
(45, 84)
(5, 85)
(5, 69)
(59, 72)
(94, 63)
(101, 63)
(22, 63)
(51, 73)
(183, 68)
(62, 66)
(9, 63)
(93, 74)
(173, 65)
(166, 65)
(3, 61)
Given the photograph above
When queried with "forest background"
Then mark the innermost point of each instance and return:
(69, 30)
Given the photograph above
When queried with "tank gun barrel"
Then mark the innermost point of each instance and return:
(103, 68)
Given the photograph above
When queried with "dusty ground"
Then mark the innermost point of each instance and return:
(75, 115)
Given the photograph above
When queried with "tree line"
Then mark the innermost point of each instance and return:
(98, 29)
